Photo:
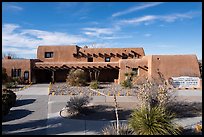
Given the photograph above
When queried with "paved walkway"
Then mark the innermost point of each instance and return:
(36, 113)
(29, 116)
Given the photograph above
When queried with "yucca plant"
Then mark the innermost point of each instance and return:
(127, 83)
(112, 130)
(153, 121)
(94, 85)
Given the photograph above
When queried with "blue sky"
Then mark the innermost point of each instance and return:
(158, 27)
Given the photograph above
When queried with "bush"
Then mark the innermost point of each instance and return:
(76, 78)
(77, 104)
(8, 100)
(123, 130)
(153, 121)
(126, 83)
(94, 84)
(4, 75)
(9, 85)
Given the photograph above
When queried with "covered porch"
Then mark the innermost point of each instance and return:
(46, 72)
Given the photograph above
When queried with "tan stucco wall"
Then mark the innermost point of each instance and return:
(66, 53)
(126, 65)
(174, 65)
(23, 64)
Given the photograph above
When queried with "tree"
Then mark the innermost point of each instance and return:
(12, 55)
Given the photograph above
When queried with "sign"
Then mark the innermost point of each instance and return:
(186, 82)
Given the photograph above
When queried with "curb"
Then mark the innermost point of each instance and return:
(26, 86)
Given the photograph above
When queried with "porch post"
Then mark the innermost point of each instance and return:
(53, 76)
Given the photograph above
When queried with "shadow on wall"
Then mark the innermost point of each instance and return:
(16, 114)
(24, 102)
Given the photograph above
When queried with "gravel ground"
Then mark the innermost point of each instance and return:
(105, 88)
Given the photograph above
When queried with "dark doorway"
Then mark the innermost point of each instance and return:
(105, 75)
(43, 76)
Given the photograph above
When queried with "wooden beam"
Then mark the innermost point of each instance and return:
(65, 67)
(117, 67)
(95, 67)
(113, 55)
(118, 55)
(41, 67)
(100, 67)
(131, 55)
(146, 67)
(56, 67)
(84, 67)
(94, 55)
(48, 68)
(142, 68)
(101, 55)
(108, 65)
(78, 67)
(124, 54)
(89, 55)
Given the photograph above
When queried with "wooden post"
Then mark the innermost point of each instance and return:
(53, 76)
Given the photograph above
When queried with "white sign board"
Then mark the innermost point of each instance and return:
(186, 82)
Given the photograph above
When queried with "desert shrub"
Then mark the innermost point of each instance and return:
(76, 78)
(126, 74)
(4, 75)
(8, 100)
(127, 83)
(153, 121)
(152, 94)
(77, 104)
(94, 84)
(123, 130)
(20, 80)
(10, 85)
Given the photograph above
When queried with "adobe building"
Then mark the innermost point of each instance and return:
(53, 63)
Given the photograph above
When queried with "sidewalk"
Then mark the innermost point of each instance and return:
(29, 115)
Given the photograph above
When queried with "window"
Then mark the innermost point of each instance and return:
(16, 72)
(48, 54)
(26, 75)
(90, 59)
(124, 57)
(107, 59)
(135, 71)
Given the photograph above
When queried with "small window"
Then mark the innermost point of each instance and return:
(48, 54)
(26, 75)
(124, 57)
(19, 73)
(90, 59)
(135, 71)
(107, 59)
(16, 72)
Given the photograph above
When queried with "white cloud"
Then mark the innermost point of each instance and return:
(147, 35)
(136, 8)
(116, 37)
(147, 19)
(15, 38)
(96, 32)
(139, 20)
(12, 7)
